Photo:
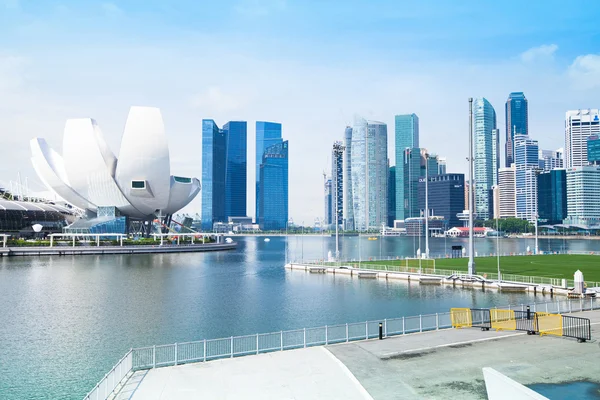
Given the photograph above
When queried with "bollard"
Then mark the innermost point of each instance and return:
(380, 331)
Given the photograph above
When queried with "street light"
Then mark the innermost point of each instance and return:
(426, 206)
(471, 264)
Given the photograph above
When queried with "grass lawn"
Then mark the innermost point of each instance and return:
(551, 266)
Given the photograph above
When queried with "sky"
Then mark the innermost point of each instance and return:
(311, 65)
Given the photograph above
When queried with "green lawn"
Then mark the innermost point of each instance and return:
(551, 266)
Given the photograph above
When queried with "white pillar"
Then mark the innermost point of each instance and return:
(122, 240)
(178, 240)
(73, 240)
(97, 240)
(51, 240)
(4, 242)
(161, 239)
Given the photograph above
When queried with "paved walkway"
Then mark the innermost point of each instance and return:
(433, 365)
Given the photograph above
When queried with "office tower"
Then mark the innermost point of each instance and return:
(583, 202)
(273, 187)
(407, 137)
(432, 163)
(550, 159)
(446, 197)
(391, 196)
(526, 166)
(328, 202)
(267, 135)
(369, 173)
(593, 149)
(485, 154)
(412, 162)
(516, 112)
(579, 125)
(348, 203)
(441, 165)
(214, 162)
(496, 196)
(337, 178)
(236, 172)
(507, 195)
(552, 196)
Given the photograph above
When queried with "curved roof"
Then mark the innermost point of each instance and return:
(27, 206)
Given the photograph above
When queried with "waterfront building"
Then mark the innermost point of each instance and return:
(328, 220)
(412, 172)
(273, 187)
(552, 196)
(18, 217)
(138, 186)
(369, 173)
(237, 169)
(526, 169)
(391, 197)
(593, 149)
(407, 137)
(550, 159)
(337, 182)
(446, 196)
(348, 203)
(486, 154)
(267, 135)
(579, 125)
(416, 226)
(441, 165)
(507, 192)
(583, 201)
(517, 120)
(214, 167)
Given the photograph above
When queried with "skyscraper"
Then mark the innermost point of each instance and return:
(507, 196)
(441, 165)
(273, 187)
(550, 159)
(391, 196)
(407, 137)
(337, 182)
(237, 166)
(517, 120)
(446, 196)
(579, 125)
(328, 202)
(412, 163)
(369, 173)
(214, 162)
(348, 203)
(552, 196)
(486, 155)
(267, 134)
(593, 149)
(526, 166)
(583, 202)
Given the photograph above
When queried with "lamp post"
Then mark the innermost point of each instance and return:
(537, 216)
(426, 206)
(471, 264)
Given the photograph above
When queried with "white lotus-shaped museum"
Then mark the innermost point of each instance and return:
(139, 183)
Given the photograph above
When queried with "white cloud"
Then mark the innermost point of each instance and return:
(259, 8)
(540, 53)
(584, 72)
(111, 9)
(214, 100)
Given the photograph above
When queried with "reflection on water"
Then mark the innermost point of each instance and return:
(571, 390)
(67, 320)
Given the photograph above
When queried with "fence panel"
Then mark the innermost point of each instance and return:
(165, 355)
(576, 327)
(429, 322)
(461, 317)
(244, 345)
(190, 352)
(412, 324)
(293, 339)
(445, 320)
(336, 334)
(549, 324)
(357, 331)
(143, 358)
(394, 327)
(270, 341)
(218, 348)
(525, 321)
(374, 329)
(481, 318)
(503, 319)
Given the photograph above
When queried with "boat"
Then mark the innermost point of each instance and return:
(229, 240)
(373, 238)
(267, 240)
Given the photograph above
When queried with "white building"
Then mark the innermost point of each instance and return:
(507, 197)
(526, 166)
(486, 154)
(550, 159)
(579, 125)
(583, 199)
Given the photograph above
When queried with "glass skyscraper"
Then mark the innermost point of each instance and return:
(526, 166)
(552, 196)
(273, 187)
(407, 137)
(486, 155)
(348, 203)
(412, 172)
(391, 197)
(369, 174)
(267, 135)
(593, 149)
(328, 203)
(579, 125)
(236, 173)
(337, 182)
(214, 155)
(516, 111)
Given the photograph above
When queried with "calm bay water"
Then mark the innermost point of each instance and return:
(64, 321)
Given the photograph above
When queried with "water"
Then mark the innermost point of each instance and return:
(65, 321)
(571, 390)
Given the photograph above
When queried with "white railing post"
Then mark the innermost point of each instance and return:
(154, 356)
(366, 329)
(385, 327)
(204, 350)
(257, 343)
(437, 322)
(347, 337)
(326, 335)
(304, 337)
(403, 331)
(231, 347)
(420, 323)
(281, 340)
(175, 353)
(570, 307)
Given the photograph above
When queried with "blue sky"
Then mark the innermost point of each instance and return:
(310, 65)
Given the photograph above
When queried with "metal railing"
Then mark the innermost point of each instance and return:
(577, 328)
(238, 346)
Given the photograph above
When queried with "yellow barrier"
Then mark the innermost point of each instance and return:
(461, 317)
(549, 324)
(503, 320)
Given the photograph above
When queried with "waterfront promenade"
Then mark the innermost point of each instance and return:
(436, 365)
